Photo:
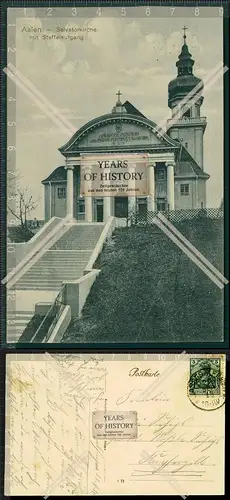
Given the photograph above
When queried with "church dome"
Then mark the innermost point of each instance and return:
(181, 86)
(185, 81)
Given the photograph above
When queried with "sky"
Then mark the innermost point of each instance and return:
(136, 54)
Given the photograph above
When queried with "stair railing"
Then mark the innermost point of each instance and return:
(51, 318)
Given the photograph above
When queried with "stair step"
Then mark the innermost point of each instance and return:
(43, 285)
(44, 281)
(60, 261)
(15, 330)
(19, 322)
(48, 281)
(40, 286)
(64, 258)
(80, 265)
(51, 277)
(19, 314)
(52, 271)
(51, 265)
(66, 255)
(46, 269)
(68, 252)
(55, 287)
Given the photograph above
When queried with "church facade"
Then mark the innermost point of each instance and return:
(176, 176)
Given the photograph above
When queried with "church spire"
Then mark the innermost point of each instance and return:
(186, 81)
(185, 100)
(185, 62)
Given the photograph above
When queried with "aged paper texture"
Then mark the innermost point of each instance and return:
(57, 407)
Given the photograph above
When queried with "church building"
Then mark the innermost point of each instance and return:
(176, 174)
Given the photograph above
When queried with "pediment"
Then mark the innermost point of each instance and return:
(116, 131)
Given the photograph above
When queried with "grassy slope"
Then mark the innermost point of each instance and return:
(149, 291)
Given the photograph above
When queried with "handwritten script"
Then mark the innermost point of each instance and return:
(81, 425)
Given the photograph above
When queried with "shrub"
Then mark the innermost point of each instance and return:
(19, 234)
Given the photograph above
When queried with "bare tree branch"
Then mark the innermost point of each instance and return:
(20, 203)
(14, 213)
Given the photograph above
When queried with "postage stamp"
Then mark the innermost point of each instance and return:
(114, 425)
(207, 381)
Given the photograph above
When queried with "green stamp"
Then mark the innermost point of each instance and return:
(205, 376)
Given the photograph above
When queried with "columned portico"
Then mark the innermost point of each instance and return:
(170, 185)
(155, 161)
(69, 191)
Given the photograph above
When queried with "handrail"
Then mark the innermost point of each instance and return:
(58, 300)
(99, 244)
(54, 322)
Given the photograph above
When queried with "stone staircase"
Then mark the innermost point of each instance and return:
(53, 268)
(64, 261)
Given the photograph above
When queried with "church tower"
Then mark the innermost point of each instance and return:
(186, 124)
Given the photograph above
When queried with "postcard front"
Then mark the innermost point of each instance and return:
(115, 175)
(84, 425)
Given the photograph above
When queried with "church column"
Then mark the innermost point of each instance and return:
(106, 207)
(69, 191)
(151, 187)
(107, 201)
(88, 209)
(170, 185)
(88, 199)
(131, 196)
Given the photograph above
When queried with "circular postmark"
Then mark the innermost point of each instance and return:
(206, 384)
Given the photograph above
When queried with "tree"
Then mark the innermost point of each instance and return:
(20, 205)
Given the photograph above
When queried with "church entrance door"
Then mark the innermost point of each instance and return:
(121, 206)
(99, 212)
(142, 207)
